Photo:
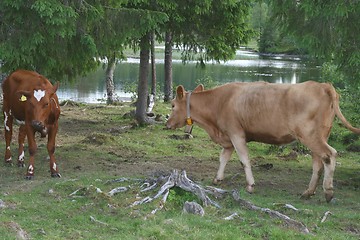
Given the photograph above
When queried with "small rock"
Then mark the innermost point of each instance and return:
(194, 208)
(42, 231)
(2, 204)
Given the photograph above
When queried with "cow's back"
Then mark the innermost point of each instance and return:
(275, 113)
(23, 80)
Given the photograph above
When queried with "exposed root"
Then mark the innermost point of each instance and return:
(179, 180)
(274, 214)
(117, 190)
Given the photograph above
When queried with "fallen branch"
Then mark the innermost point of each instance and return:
(286, 205)
(274, 214)
(231, 217)
(327, 213)
(97, 221)
(117, 190)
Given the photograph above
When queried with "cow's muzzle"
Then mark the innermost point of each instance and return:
(39, 127)
(169, 125)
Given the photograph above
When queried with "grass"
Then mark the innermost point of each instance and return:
(96, 144)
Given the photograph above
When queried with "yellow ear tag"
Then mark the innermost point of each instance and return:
(23, 98)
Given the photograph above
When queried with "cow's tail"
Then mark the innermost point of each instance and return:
(335, 100)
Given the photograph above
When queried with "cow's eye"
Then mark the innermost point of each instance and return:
(173, 105)
(46, 105)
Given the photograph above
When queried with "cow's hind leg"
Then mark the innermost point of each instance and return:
(318, 168)
(21, 140)
(323, 157)
(329, 169)
(224, 158)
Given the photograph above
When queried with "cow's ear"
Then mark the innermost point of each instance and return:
(180, 92)
(55, 87)
(199, 88)
(23, 95)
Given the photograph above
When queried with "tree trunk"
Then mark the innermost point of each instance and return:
(140, 113)
(168, 95)
(151, 98)
(110, 89)
(153, 66)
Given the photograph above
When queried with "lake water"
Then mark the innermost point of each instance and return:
(246, 67)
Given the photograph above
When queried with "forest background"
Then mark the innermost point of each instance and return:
(63, 39)
(100, 145)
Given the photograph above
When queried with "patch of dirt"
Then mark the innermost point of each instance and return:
(15, 227)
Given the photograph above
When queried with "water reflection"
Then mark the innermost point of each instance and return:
(246, 67)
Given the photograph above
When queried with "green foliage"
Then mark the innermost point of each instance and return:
(329, 29)
(44, 36)
(330, 73)
(207, 29)
(208, 82)
(60, 38)
(178, 196)
(269, 36)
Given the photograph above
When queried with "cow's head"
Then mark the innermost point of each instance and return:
(39, 103)
(178, 115)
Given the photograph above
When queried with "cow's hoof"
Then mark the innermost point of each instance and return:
(250, 188)
(21, 164)
(56, 175)
(29, 177)
(329, 196)
(307, 195)
(217, 181)
(9, 164)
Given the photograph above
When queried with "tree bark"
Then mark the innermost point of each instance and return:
(153, 66)
(168, 95)
(141, 104)
(151, 98)
(110, 89)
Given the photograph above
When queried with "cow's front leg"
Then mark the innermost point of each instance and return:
(242, 151)
(224, 158)
(32, 151)
(21, 140)
(51, 150)
(8, 124)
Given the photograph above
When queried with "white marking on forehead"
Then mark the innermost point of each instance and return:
(38, 94)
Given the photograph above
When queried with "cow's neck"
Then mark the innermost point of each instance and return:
(203, 107)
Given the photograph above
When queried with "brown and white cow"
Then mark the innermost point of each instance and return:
(31, 100)
(236, 113)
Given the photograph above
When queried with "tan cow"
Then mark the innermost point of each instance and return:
(236, 113)
(30, 99)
